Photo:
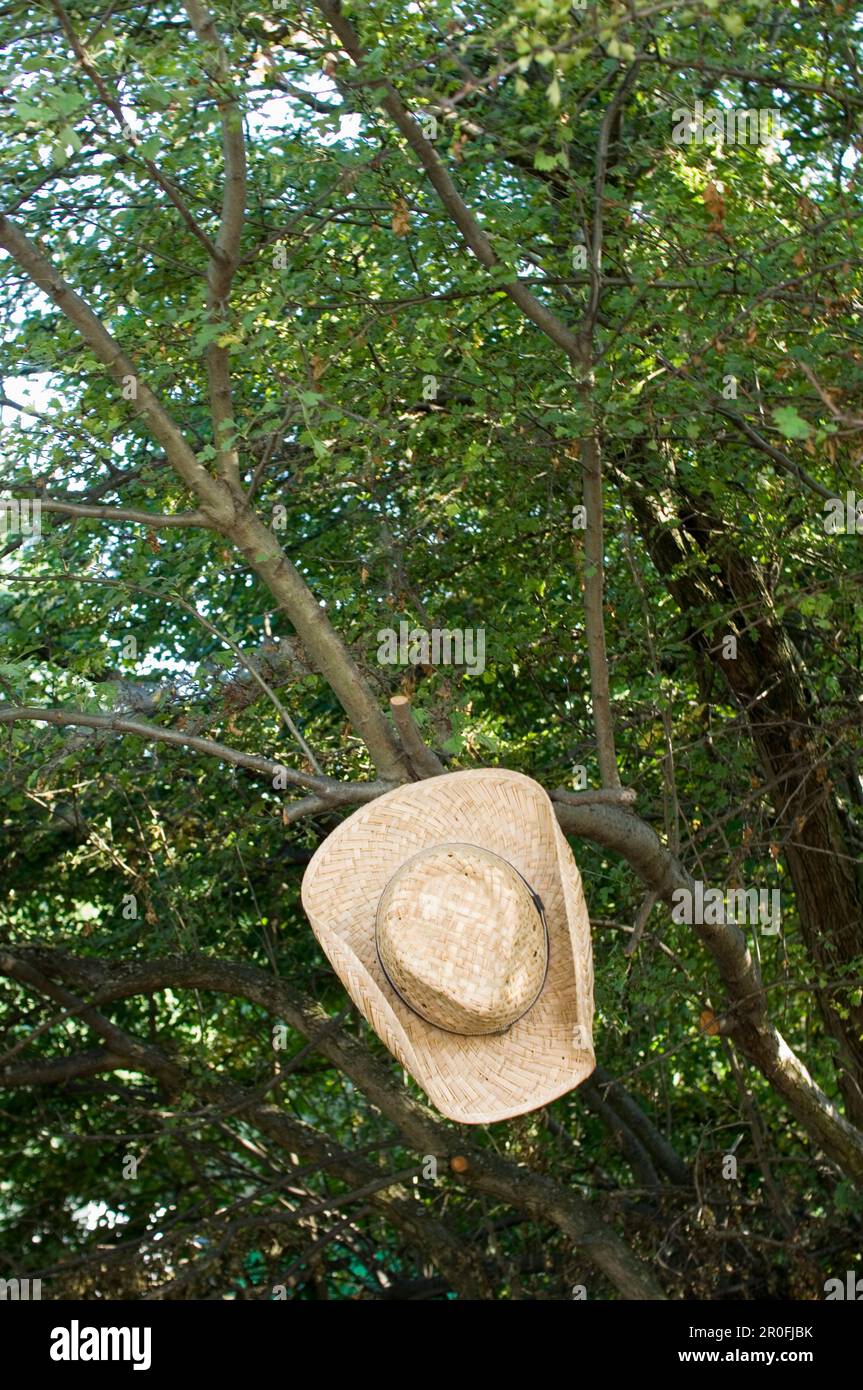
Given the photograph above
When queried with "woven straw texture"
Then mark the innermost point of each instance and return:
(461, 939)
(474, 1079)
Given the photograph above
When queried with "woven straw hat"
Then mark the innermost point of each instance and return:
(453, 913)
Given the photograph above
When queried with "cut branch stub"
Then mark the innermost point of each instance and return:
(423, 762)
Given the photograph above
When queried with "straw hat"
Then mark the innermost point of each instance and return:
(453, 913)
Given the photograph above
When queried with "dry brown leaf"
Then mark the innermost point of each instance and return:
(401, 218)
(715, 204)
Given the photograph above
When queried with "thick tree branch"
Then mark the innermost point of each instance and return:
(228, 512)
(632, 838)
(540, 1196)
(662, 1153)
(462, 1265)
(605, 796)
(136, 1055)
(57, 1071)
(424, 762)
(213, 495)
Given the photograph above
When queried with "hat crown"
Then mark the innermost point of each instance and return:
(462, 939)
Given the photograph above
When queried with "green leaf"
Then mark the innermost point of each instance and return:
(791, 424)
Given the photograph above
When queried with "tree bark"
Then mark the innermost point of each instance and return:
(766, 681)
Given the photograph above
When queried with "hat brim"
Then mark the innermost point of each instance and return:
(549, 1050)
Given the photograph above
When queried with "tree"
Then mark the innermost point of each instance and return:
(540, 323)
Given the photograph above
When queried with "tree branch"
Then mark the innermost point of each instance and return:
(225, 258)
(116, 514)
(56, 1071)
(334, 792)
(473, 234)
(591, 469)
(424, 762)
(541, 1196)
(616, 829)
(594, 611)
(606, 796)
(229, 513)
(632, 838)
(135, 1054)
(116, 109)
(212, 493)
